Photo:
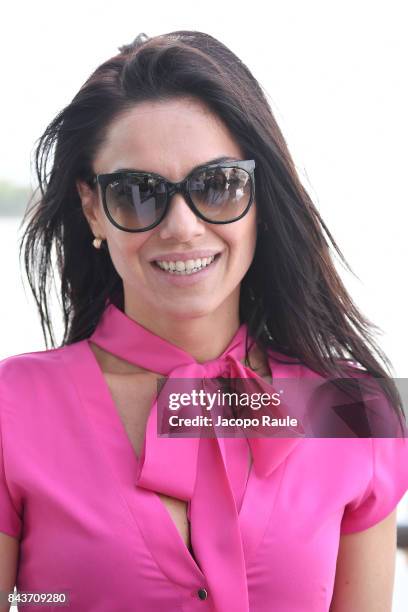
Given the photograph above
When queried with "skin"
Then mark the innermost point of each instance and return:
(365, 569)
(170, 138)
(162, 137)
(364, 573)
(9, 550)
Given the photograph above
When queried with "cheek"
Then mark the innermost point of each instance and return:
(245, 236)
(124, 249)
(241, 241)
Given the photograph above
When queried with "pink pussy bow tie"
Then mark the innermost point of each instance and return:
(197, 470)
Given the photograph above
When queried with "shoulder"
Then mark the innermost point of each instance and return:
(25, 372)
(285, 366)
(27, 359)
(15, 365)
(349, 403)
(294, 367)
(386, 481)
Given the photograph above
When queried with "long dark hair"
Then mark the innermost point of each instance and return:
(292, 298)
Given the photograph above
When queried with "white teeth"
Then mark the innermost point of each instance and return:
(185, 267)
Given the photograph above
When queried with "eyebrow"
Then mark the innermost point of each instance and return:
(216, 160)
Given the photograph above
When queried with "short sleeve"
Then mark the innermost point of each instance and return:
(386, 487)
(10, 521)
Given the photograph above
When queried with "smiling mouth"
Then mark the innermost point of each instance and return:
(186, 268)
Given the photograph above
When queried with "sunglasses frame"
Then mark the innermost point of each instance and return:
(103, 180)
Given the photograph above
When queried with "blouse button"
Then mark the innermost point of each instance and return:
(202, 593)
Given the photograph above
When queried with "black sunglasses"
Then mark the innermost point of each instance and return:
(137, 201)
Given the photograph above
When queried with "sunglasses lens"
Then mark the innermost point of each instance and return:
(135, 201)
(221, 194)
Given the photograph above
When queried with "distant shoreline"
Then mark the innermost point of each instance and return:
(14, 199)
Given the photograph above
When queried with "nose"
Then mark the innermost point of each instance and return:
(180, 222)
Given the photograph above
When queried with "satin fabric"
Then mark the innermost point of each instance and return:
(69, 492)
(208, 473)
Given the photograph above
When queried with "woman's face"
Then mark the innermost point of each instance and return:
(171, 138)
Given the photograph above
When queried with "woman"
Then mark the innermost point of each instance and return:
(187, 249)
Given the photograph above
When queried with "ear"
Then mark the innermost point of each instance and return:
(90, 207)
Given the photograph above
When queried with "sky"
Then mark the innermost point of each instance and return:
(335, 77)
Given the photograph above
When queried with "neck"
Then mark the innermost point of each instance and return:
(203, 337)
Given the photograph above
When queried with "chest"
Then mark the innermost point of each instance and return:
(133, 395)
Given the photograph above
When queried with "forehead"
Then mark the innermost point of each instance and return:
(169, 137)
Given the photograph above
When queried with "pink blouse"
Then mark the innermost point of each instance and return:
(90, 523)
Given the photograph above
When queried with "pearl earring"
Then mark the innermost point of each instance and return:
(97, 243)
